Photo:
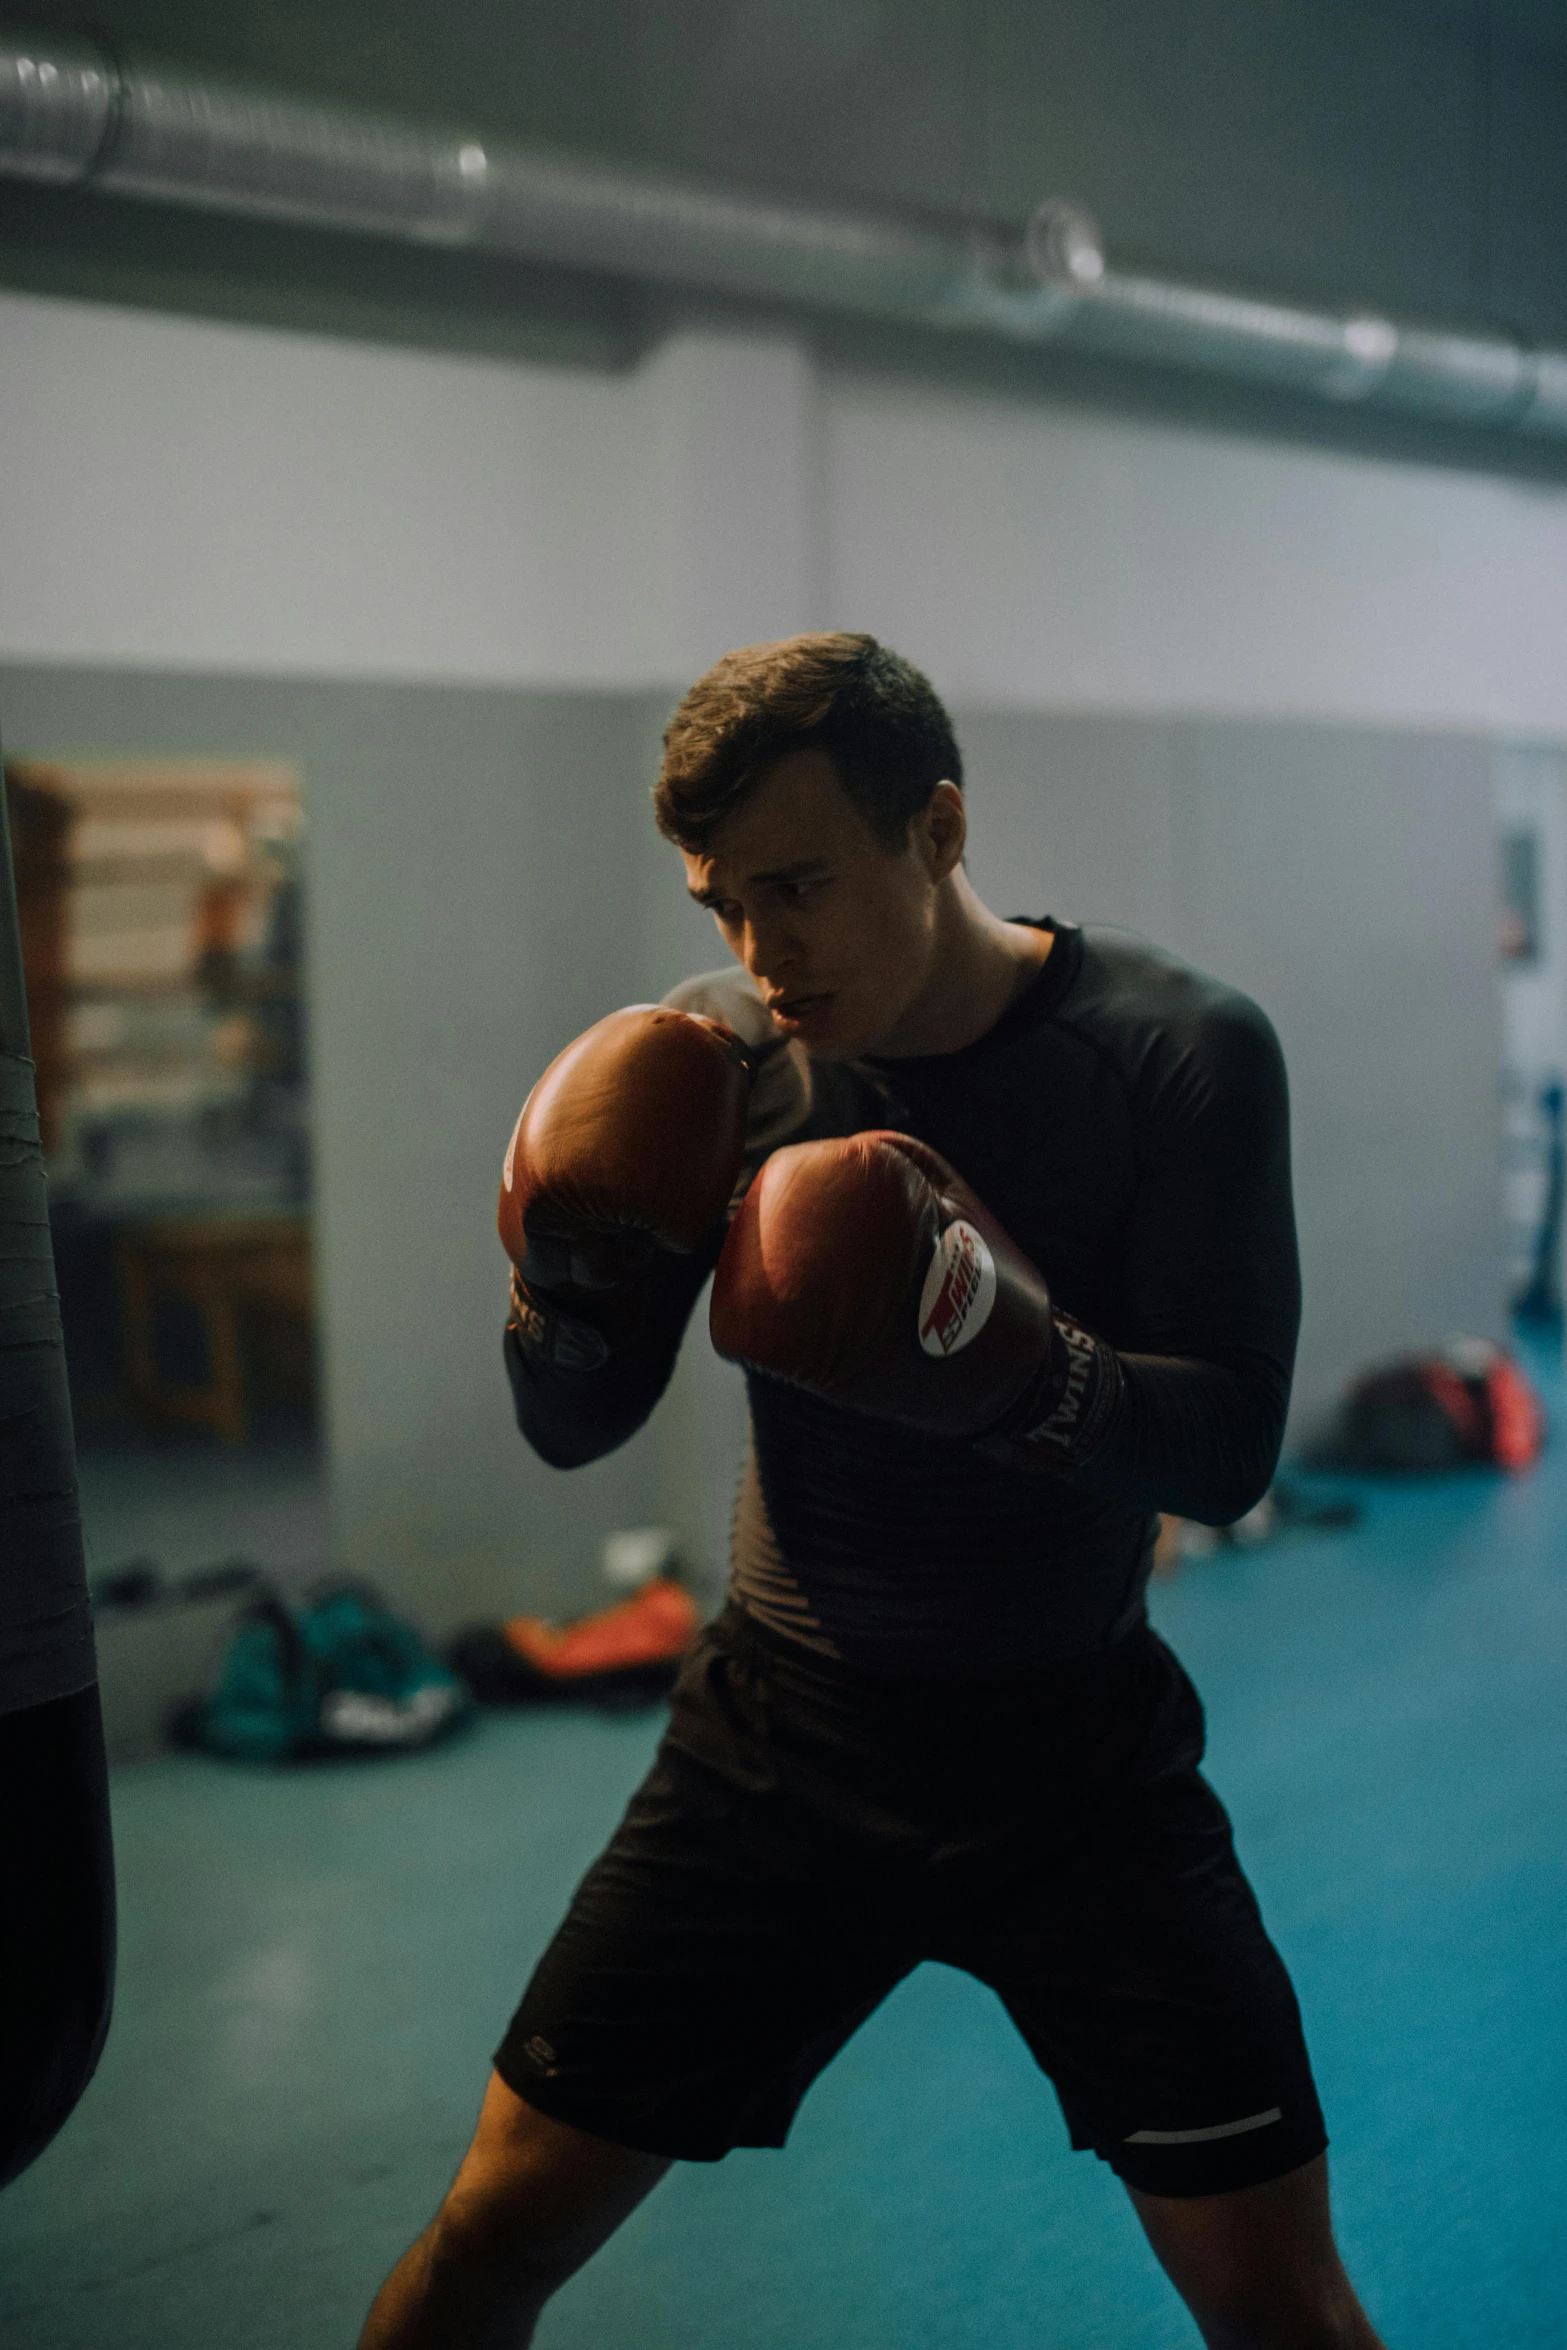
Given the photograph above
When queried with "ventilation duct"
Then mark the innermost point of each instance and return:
(1462, 379)
(76, 116)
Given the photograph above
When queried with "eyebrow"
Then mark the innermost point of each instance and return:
(803, 869)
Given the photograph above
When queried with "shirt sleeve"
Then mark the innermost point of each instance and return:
(1206, 1349)
(571, 1417)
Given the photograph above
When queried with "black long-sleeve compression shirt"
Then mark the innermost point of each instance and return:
(1127, 1120)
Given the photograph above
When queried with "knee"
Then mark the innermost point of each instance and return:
(533, 2199)
(504, 2229)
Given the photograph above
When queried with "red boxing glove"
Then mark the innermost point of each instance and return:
(867, 1271)
(630, 1142)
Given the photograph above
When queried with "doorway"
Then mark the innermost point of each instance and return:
(162, 918)
(1531, 810)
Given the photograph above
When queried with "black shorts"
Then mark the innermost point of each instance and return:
(808, 1833)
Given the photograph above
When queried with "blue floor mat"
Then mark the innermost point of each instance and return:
(315, 1967)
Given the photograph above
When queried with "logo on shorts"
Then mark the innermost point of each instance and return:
(959, 1291)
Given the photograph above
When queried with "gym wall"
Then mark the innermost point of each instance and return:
(1236, 694)
(460, 932)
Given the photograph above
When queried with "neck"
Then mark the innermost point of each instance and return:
(979, 964)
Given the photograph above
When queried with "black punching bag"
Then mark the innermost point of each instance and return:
(56, 1862)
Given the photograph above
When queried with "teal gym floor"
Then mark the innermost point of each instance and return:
(315, 1966)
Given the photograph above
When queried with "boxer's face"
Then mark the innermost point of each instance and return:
(837, 930)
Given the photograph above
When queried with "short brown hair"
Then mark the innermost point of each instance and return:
(875, 715)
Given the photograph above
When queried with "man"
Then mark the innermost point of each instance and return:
(1010, 1260)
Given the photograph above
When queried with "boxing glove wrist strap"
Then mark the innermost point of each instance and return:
(550, 1338)
(1068, 1408)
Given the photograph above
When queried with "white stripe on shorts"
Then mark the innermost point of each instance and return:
(1253, 2121)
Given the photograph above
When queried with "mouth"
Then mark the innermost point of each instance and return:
(801, 1015)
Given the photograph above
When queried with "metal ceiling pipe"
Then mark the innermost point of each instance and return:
(1482, 380)
(75, 115)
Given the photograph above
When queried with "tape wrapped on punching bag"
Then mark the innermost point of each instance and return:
(56, 1862)
(46, 1643)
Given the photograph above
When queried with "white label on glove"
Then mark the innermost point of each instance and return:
(959, 1291)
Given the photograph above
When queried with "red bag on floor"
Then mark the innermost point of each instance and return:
(624, 1655)
(1466, 1401)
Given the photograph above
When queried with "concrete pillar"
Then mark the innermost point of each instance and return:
(737, 493)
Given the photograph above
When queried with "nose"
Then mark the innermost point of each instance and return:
(769, 954)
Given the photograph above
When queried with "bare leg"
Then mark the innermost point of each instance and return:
(532, 2201)
(1259, 2269)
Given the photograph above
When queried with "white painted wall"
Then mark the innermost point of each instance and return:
(734, 426)
(184, 494)
(1039, 558)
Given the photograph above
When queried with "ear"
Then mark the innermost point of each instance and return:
(940, 831)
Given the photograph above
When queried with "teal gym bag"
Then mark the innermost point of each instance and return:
(338, 1674)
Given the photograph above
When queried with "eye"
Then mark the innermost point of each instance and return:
(797, 893)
